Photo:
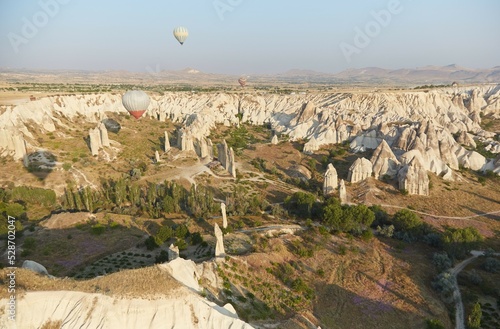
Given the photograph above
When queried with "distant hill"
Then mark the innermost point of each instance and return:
(364, 76)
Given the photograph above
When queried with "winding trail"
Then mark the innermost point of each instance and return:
(445, 217)
(459, 305)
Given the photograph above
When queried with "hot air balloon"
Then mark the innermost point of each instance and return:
(136, 102)
(242, 81)
(181, 34)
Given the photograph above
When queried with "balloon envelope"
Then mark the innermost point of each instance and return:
(136, 102)
(181, 34)
(242, 81)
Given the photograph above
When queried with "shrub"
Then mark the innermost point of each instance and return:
(434, 324)
(491, 265)
(441, 261)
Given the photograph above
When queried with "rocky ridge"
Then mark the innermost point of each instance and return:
(439, 127)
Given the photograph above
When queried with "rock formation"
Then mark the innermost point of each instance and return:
(330, 180)
(157, 157)
(104, 135)
(167, 143)
(219, 245)
(95, 140)
(311, 146)
(35, 267)
(231, 163)
(342, 192)
(361, 169)
(465, 139)
(184, 140)
(19, 146)
(12, 143)
(226, 157)
(202, 148)
(384, 161)
(413, 178)
(222, 151)
(173, 252)
(274, 140)
(224, 217)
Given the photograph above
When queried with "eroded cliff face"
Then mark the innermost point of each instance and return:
(402, 118)
(85, 310)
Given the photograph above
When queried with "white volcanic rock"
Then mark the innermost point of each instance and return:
(306, 113)
(406, 139)
(173, 252)
(95, 140)
(35, 267)
(361, 169)
(231, 163)
(224, 216)
(274, 140)
(184, 309)
(466, 139)
(384, 161)
(184, 271)
(222, 154)
(185, 140)
(157, 157)
(366, 141)
(413, 178)
(219, 244)
(104, 135)
(447, 155)
(166, 146)
(342, 192)
(469, 159)
(330, 180)
(19, 146)
(12, 143)
(311, 146)
(201, 147)
(329, 117)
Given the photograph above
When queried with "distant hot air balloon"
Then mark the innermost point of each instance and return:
(136, 102)
(242, 81)
(181, 34)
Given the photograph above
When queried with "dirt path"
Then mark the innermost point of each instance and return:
(445, 217)
(459, 306)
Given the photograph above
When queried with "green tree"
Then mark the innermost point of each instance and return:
(301, 204)
(406, 220)
(474, 319)
(458, 242)
(434, 324)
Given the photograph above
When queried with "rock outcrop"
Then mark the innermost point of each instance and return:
(274, 140)
(173, 252)
(384, 161)
(104, 135)
(330, 180)
(224, 217)
(222, 153)
(219, 244)
(413, 178)
(157, 157)
(342, 192)
(35, 267)
(184, 140)
(311, 146)
(95, 140)
(166, 146)
(360, 170)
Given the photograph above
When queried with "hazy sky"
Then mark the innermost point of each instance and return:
(248, 36)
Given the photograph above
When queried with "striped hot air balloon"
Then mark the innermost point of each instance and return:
(242, 81)
(181, 34)
(136, 102)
